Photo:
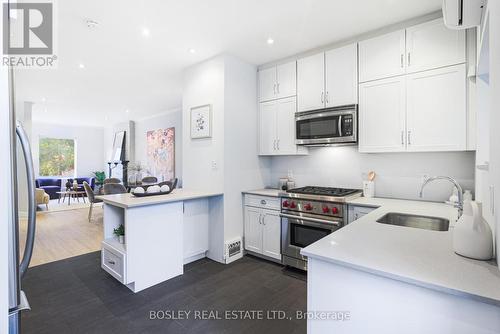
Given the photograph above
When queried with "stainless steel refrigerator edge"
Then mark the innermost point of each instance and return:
(16, 269)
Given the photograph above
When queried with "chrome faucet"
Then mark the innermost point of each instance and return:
(460, 204)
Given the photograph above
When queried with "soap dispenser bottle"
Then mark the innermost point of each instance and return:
(472, 236)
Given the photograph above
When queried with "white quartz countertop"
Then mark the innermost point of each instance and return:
(130, 201)
(416, 256)
(265, 192)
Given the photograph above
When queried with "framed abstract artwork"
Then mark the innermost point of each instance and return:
(201, 122)
(160, 151)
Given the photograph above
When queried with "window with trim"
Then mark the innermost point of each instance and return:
(56, 157)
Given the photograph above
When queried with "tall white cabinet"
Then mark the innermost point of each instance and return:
(277, 107)
(413, 90)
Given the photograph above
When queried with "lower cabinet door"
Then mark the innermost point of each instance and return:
(271, 234)
(253, 229)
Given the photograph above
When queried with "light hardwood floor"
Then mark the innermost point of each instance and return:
(64, 234)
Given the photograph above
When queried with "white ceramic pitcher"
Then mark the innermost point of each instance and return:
(472, 236)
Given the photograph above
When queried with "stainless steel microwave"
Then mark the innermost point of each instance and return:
(332, 126)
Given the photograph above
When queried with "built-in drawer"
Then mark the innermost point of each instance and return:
(113, 262)
(265, 202)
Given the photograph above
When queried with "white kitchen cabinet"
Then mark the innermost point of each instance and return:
(431, 45)
(271, 234)
(341, 76)
(267, 128)
(277, 128)
(253, 229)
(278, 82)
(382, 56)
(311, 82)
(436, 110)
(355, 212)
(263, 226)
(286, 79)
(267, 84)
(382, 107)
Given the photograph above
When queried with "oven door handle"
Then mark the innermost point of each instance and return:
(314, 220)
(339, 126)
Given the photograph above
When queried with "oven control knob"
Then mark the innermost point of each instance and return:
(293, 205)
(286, 204)
(335, 210)
(308, 207)
(326, 209)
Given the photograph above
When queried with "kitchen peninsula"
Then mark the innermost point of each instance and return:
(162, 233)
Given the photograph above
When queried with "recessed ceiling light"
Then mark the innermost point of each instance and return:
(145, 32)
(81, 65)
(270, 41)
(127, 111)
(192, 51)
(44, 99)
(106, 118)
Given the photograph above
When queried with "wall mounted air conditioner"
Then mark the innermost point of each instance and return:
(462, 14)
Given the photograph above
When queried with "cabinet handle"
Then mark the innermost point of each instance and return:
(263, 202)
(409, 59)
(111, 262)
(402, 60)
(326, 98)
(278, 144)
(322, 97)
(409, 137)
(274, 145)
(402, 138)
(264, 219)
(278, 87)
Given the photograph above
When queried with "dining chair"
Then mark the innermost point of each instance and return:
(91, 197)
(114, 188)
(111, 180)
(149, 179)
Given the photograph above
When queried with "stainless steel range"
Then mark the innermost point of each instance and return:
(309, 214)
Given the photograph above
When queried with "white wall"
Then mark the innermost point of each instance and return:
(227, 162)
(398, 174)
(89, 145)
(244, 169)
(172, 118)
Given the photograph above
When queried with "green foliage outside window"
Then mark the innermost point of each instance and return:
(57, 157)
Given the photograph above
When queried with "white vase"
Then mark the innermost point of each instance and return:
(121, 239)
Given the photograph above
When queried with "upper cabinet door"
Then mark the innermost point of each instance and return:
(342, 76)
(382, 106)
(436, 110)
(286, 79)
(382, 56)
(267, 128)
(431, 45)
(267, 84)
(285, 126)
(311, 82)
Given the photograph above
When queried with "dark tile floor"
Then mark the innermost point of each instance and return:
(76, 296)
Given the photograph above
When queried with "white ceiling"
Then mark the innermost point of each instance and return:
(124, 70)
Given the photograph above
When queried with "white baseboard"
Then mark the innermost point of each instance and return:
(195, 257)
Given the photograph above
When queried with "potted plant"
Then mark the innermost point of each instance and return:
(99, 176)
(120, 233)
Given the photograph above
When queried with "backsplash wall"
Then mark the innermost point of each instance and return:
(399, 175)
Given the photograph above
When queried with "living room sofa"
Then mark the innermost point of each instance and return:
(50, 185)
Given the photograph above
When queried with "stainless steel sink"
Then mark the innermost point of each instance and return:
(423, 222)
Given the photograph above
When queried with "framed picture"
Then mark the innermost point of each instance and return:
(201, 122)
